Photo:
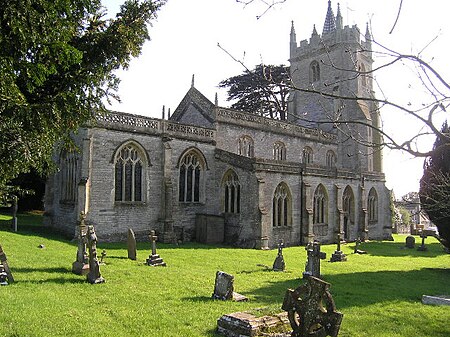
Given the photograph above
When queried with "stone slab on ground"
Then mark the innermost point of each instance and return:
(436, 300)
(243, 324)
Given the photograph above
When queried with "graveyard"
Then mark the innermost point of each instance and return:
(378, 291)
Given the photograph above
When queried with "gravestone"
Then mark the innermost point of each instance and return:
(338, 255)
(410, 242)
(131, 244)
(422, 247)
(102, 257)
(4, 262)
(314, 255)
(357, 250)
(224, 288)
(3, 276)
(311, 310)
(154, 259)
(94, 275)
(81, 264)
(14, 213)
(279, 264)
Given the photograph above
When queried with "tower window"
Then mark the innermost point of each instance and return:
(246, 147)
(372, 205)
(279, 151)
(314, 72)
(331, 159)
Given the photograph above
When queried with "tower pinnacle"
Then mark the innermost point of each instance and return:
(330, 21)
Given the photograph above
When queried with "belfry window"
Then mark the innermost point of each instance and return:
(307, 155)
(191, 174)
(282, 206)
(320, 205)
(232, 193)
(279, 151)
(246, 147)
(372, 205)
(314, 72)
(128, 174)
(331, 159)
(69, 173)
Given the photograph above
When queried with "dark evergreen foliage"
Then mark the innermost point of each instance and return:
(435, 185)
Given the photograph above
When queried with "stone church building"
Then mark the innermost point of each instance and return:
(214, 174)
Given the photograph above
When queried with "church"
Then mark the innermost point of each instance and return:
(217, 175)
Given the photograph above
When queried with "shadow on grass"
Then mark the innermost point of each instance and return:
(54, 280)
(367, 288)
(60, 270)
(398, 249)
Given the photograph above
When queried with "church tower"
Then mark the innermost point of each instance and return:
(332, 74)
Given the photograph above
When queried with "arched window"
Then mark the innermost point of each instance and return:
(191, 176)
(282, 206)
(69, 176)
(372, 205)
(279, 151)
(245, 146)
(307, 155)
(320, 205)
(129, 174)
(331, 159)
(363, 75)
(314, 72)
(232, 192)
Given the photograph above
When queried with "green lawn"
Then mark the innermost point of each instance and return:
(378, 293)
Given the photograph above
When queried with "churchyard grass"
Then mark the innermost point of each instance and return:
(378, 293)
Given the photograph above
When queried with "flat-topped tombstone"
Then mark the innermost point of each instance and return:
(4, 263)
(410, 242)
(224, 288)
(131, 245)
(279, 264)
(311, 310)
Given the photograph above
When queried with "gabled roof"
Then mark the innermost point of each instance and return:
(195, 109)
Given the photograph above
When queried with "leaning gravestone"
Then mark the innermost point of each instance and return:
(410, 241)
(279, 264)
(4, 262)
(81, 264)
(94, 275)
(154, 259)
(314, 255)
(224, 288)
(131, 244)
(311, 310)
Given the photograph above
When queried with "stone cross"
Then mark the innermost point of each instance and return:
(357, 250)
(311, 310)
(422, 247)
(131, 245)
(154, 259)
(4, 262)
(314, 255)
(338, 255)
(81, 264)
(94, 275)
(279, 264)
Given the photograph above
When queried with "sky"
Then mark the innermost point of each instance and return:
(185, 37)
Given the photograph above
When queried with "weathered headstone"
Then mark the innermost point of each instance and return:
(357, 250)
(224, 288)
(81, 264)
(131, 244)
(94, 275)
(422, 247)
(102, 257)
(154, 259)
(279, 264)
(4, 262)
(410, 241)
(14, 213)
(314, 255)
(338, 255)
(311, 310)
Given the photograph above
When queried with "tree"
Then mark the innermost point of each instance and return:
(57, 63)
(435, 186)
(263, 90)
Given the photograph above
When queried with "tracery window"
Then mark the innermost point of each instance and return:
(279, 151)
(69, 173)
(314, 72)
(232, 193)
(320, 205)
(282, 206)
(307, 157)
(331, 159)
(372, 205)
(191, 175)
(348, 204)
(128, 174)
(246, 146)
